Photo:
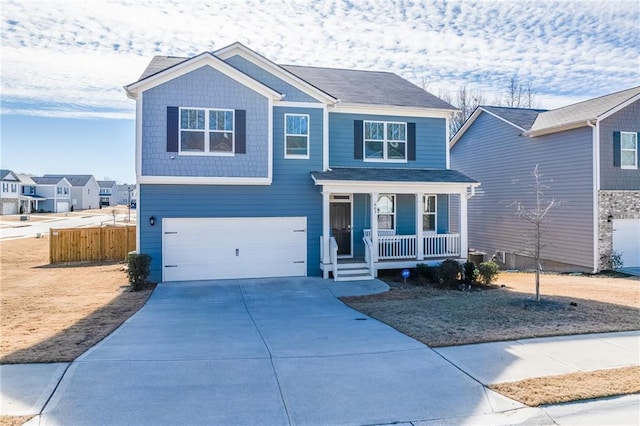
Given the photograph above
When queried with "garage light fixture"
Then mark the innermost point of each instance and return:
(609, 218)
(152, 220)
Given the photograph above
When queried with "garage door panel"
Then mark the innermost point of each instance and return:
(626, 240)
(221, 248)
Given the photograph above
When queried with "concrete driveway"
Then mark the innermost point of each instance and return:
(268, 351)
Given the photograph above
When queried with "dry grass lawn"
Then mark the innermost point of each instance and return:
(572, 387)
(55, 313)
(14, 420)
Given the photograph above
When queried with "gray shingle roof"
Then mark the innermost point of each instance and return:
(106, 183)
(368, 87)
(353, 86)
(74, 180)
(4, 173)
(47, 180)
(26, 180)
(521, 117)
(361, 174)
(582, 111)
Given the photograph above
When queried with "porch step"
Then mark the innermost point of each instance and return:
(353, 272)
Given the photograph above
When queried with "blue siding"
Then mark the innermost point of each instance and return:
(204, 88)
(405, 214)
(442, 213)
(361, 221)
(292, 193)
(497, 155)
(616, 178)
(291, 93)
(430, 141)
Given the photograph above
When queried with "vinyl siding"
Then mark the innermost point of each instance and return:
(616, 178)
(495, 154)
(291, 93)
(430, 141)
(203, 88)
(292, 193)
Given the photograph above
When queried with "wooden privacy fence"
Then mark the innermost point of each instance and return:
(91, 244)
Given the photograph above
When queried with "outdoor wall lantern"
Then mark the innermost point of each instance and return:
(152, 220)
(609, 218)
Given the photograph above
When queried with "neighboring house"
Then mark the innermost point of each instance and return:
(127, 194)
(55, 192)
(9, 192)
(85, 192)
(108, 193)
(29, 197)
(588, 156)
(247, 168)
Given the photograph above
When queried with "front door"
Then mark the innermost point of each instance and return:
(340, 214)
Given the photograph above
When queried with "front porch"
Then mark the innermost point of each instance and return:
(415, 216)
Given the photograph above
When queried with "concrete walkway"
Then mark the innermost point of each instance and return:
(288, 352)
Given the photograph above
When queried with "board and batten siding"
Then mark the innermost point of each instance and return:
(613, 177)
(502, 160)
(203, 88)
(291, 193)
(430, 141)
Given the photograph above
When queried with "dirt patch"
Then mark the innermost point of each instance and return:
(571, 305)
(14, 420)
(55, 313)
(572, 387)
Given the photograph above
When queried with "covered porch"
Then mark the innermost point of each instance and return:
(376, 219)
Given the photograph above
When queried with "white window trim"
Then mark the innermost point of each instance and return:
(206, 132)
(385, 154)
(395, 207)
(635, 166)
(297, 156)
(434, 214)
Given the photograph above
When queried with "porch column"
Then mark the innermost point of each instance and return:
(374, 226)
(419, 239)
(326, 233)
(464, 245)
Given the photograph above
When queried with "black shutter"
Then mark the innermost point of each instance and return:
(240, 127)
(357, 139)
(172, 129)
(411, 141)
(616, 149)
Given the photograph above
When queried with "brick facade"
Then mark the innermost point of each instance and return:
(614, 205)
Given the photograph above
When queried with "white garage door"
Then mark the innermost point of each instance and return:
(219, 248)
(62, 206)
(9, 208)
(626, 240)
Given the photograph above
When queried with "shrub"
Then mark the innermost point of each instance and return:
(470, 272)
(488, 272)
(138, 270)
(450, 271)
(427, 273)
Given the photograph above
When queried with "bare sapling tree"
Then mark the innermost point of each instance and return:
(537, 216)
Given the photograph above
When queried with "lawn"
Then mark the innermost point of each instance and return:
(55, 313)
(571, 304)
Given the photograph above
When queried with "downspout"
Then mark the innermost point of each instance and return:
(596, 188)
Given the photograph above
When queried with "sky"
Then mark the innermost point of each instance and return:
(64, 62)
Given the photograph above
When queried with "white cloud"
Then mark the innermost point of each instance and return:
(70, 58)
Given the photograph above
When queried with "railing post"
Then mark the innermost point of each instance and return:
(373, 201)
(419, 238)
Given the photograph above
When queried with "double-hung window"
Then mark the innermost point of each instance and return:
(206, 131)
(429, 215)
(385, 141)
(59, 190)
(5, 187)
(296, 136)
(14, 187)
(628, 150)
(386, 211)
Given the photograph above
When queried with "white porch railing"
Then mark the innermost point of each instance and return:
(393, 247)
(333, 252)
(385, 232)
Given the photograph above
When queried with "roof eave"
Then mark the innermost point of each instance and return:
(561, 128)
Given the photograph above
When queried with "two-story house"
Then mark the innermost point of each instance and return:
(246, 168)
(9, 192)
(588, 156)
(85, 192)
(108, 193)
(29, 197)
(127, 194)
(55, 192)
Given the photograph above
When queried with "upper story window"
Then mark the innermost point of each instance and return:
(296, 136)
(629, 150)
(206, 131)
(5, 187)
(429, 217)
(14, 187)
(59, 190)
(385, 141)
(386, 211)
